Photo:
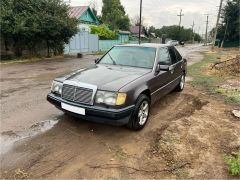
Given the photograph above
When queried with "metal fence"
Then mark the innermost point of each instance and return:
(82, 42)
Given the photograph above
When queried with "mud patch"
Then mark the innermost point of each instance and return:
(6, 93)
(198, 136)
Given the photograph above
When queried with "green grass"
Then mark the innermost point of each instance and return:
(233, 163)
(201, 78)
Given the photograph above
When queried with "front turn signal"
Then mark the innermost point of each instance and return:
(121, 98)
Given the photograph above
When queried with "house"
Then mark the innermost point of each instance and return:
(152, 35)
(124, 36)
(86, 17)
(135, 31)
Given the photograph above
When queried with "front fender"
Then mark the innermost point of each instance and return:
(139, 91)
(134, 93)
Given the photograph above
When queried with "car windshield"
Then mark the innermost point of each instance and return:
(142, 57)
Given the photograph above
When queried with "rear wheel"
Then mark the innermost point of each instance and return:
(140, 114)
(181, 84)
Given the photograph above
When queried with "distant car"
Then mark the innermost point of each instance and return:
(121, 87)
(173, 42)
(182, 43)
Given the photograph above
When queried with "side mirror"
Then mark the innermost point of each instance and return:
(164, 67)
(96, 60)
(161, 68)
(158, 68)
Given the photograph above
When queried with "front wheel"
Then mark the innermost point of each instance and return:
(181, 84)
(140, 114)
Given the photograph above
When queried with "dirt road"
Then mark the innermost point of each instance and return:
(187, 134)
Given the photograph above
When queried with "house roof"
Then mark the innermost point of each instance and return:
(78, 11)
(135, 29)
(153, 34)
(124, 32)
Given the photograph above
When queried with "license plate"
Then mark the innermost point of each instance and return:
(73, 109)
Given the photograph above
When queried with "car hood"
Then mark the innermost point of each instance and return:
(107, 77)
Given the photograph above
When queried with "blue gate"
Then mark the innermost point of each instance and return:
(82, 42)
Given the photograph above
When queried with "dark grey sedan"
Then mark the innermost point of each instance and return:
(121, 87)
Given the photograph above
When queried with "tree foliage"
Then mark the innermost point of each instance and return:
(173, 32)
(113, 14)
(231, 19)
(103, 32)
(28, 22)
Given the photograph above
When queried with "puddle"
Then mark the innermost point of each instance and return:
(9, 138)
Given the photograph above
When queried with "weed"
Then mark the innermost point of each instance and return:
(233, 163)
(21, 174)
(204, 77)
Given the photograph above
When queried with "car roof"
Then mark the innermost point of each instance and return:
(152, 45)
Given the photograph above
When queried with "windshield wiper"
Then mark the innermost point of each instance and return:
(114, 62)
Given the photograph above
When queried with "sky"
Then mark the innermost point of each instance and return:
(164, 12)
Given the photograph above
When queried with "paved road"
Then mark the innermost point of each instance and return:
(24, 88)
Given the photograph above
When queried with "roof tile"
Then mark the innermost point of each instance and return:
(77, 11)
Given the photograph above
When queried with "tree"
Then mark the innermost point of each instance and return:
(114, 15)
(172, 32)
(94, 7)
(151, 29)
(30, 22)
(135, 21)
(56, 26)
(231, 16)
(103, 32)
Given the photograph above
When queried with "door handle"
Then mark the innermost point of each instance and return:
(171, 69)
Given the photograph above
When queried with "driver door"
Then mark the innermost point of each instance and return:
(161, 81)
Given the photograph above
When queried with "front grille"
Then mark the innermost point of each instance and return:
(77, 94)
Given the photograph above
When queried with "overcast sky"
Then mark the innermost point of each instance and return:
(164, 12)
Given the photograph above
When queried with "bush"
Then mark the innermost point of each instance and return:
(233, 163)
(28, 23)
(103, 32)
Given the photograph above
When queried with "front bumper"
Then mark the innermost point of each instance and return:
(96, 114)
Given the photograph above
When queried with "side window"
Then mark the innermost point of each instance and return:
(164, 57)
(172, 55)
(178, 55)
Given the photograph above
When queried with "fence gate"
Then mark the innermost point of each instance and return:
(82, 42)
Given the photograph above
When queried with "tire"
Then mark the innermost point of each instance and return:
(181, 84)
(137, 121)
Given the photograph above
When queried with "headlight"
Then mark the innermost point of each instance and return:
(110, 98)
(57, 87)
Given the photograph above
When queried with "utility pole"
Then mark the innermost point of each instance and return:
(206, 33)
(180, 21)
(225, 33)
(192, 32)
(140, 23)
(216, 28)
